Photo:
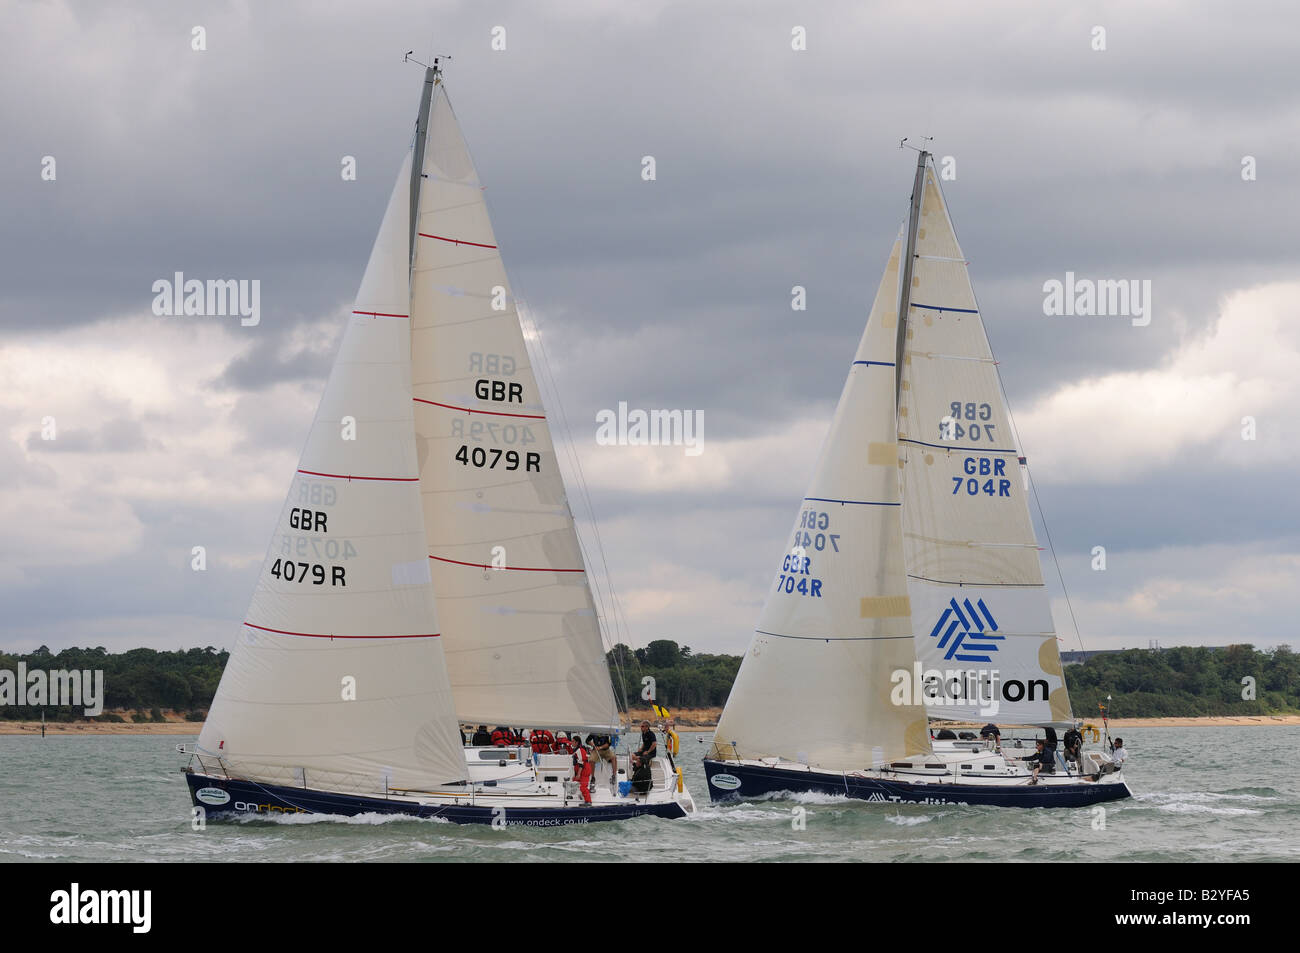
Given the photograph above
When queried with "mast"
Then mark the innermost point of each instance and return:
(431, 79)
(909, 252)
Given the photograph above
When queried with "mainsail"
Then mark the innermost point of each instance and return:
(980, 611)
(814, 686)
(338, 679)
(520, 628)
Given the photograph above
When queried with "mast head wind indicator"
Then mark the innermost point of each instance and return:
(902, 144)
(436, 67)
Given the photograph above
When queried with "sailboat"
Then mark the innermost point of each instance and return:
(911, 587)
(425, 571)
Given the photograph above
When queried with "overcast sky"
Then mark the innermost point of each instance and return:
(775, 168)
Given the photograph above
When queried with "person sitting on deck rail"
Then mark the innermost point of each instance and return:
(541, 741)
(649, 747)
(482, 738)
(500, 737)
(562, 744)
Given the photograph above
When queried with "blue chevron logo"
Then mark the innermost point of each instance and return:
(963, 636)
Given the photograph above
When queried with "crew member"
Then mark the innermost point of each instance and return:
(1042, 760)
(649, 747)
(582, 767)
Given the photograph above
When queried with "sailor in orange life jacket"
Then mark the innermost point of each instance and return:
(500, 737)
(582, 767)
(561, 745)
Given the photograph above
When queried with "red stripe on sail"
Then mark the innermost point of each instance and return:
(381, 314)
(442, 559)
(317, 635)
(454, 241)
(349, 476)
(490, 413)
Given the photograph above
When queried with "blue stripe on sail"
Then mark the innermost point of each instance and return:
(877, 363)
(935, 307)
(822, 499)
(988, 615)
(973, 614)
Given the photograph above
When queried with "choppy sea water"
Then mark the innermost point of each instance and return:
(1201, 795)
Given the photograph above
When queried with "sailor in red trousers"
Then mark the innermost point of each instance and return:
(582, 767)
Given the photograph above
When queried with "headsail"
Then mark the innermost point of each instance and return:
(815, 685)
(338, 679)
(520, 628)
(979, 605)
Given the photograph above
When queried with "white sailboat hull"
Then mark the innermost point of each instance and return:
(510, 794)
(931, 779)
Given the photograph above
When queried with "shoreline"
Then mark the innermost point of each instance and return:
(687, 722)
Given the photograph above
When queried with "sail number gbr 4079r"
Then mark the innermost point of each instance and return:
(490, 457)
(312, 521)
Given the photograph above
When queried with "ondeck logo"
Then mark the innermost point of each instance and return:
(974, 642)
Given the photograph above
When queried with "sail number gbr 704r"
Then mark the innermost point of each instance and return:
(481, 457)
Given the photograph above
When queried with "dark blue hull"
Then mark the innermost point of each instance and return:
(230, 797)
(729, 781)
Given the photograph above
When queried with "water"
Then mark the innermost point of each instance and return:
(1202, 795)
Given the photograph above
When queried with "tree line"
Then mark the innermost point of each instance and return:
(1142, 683)
(143, 681)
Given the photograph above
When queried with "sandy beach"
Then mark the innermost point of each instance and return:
(701, 719)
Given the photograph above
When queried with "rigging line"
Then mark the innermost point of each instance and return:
(615, 613)
(1015, 435)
